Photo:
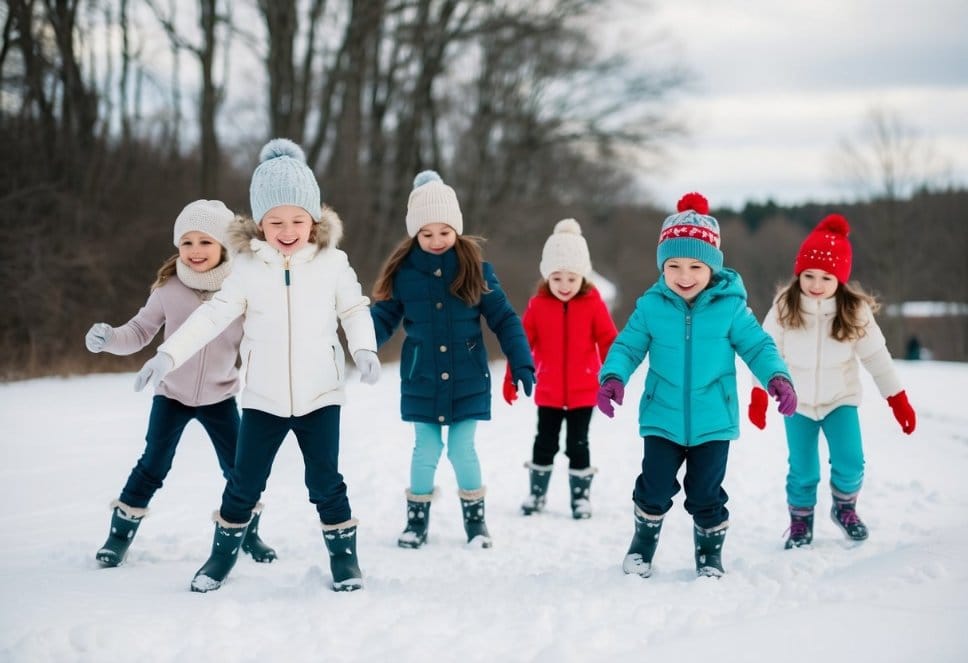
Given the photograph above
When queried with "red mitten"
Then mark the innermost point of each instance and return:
(903, 411)
(509, 389)
(757, 411)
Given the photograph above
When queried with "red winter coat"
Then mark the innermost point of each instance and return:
(569, 340)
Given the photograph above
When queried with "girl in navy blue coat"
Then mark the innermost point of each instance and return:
(437, 283)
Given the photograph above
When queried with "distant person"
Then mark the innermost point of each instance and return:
(292, 288)
(692, 323)
(437, 284)
(570, 331)
(914, 349)
(203, 388)
(823, 325)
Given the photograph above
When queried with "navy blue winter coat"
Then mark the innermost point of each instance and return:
(444, 372)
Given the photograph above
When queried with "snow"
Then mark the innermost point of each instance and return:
(551, 588)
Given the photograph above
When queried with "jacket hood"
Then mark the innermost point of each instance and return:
(329, 231)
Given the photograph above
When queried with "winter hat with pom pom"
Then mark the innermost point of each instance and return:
(432, 201)
(211, 217)
(690, 233)
(283, 178)
(827, 248)
(566, 251)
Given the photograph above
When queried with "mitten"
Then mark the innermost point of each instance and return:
(99, 335)
(153, 371)
(611, 390)
(369, 365)
(781, 390)
(523, 378)
(757, 411)
(508, 390)
(903, 411)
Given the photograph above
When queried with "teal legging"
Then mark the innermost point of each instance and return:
(427, 448)
(842, 430)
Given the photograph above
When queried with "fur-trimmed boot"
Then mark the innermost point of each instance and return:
(340, 540)
(225, 551)
(539, 475)
(801, 527)
(472, 505)
(125, 521)
(252, 544)
(709, 549)
(418, 520)
(580, 484)
(638, 559)
(844, 514)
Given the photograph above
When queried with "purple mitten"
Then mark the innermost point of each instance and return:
(781, 390)
(611, 390)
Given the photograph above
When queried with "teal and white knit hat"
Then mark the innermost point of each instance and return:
(283, 178)
(690, 233)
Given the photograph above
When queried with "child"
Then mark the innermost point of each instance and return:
(569, 329)
(292, 287)
(691, 323)
(203, 388)
(822, 325)
(437, 283)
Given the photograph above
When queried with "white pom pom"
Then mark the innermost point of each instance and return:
(281, 147)
(426, 176)
(568, 226)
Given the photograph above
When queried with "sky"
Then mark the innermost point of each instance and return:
(551, 590)
(778, 86)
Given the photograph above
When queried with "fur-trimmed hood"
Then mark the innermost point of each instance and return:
(329, 231)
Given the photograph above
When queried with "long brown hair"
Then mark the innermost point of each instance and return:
(167, 269)
(468, 286)
(847, 323)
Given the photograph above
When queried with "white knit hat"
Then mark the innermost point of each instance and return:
(211, 217)
(432, 201)
(566, 251)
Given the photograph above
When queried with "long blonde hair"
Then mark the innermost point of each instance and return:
(167, 269)
(468, 286)
(847, 323)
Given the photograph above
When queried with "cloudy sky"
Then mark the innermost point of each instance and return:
(780, 84)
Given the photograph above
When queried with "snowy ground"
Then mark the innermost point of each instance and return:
(551, 589)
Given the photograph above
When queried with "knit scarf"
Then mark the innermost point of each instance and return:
(209, 281)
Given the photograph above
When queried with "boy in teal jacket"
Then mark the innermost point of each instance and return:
(691, 323)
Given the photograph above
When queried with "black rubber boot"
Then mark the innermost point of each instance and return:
(844, 514)
(638, 560)
(340, 541)
(225, 551)
(418, 521)
(125, 521)
(801, 528)
(709, 549)
(539, 476)
(252, 544)
(580, 484)
(472, 505)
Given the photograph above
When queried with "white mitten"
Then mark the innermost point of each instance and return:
(153, 371)
(99, 335)
(369, 365)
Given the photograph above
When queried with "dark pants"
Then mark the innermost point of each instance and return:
(165, 425)
(260, 437)
(705, 470)
(576, 436)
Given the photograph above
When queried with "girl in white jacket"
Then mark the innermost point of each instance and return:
(822, 326)
(292, 288)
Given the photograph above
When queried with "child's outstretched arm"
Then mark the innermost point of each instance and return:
(871, 349)
(132, 336)
(506, 325)
(759, 351)
(353, 310)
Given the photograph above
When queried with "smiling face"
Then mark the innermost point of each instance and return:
(686, 277)
(436, 238)
(818, 284)
(199, 251)
(287, 228)
(564, 285)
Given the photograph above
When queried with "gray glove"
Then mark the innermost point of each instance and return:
(369, 365)
(99, 335)
(153, 371)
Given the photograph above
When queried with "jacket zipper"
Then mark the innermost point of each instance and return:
(289, 330)
(564, 357)
(821, 324)
(687, 383)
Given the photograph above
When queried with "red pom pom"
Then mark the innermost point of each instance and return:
(693, 201)
(834, 223)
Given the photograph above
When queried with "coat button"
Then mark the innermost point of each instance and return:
(441, 418)
(443, 348)
(445, 376)
(437, 272)
(439, 305)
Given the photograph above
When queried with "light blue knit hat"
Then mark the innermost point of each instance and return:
(283, 178)
(690, 233)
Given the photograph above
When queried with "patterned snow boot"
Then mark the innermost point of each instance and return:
(580, 484)
(801, 528)
(340, 541)
(253, 544)
(125, 521)
(709, 549)
(472, 504)
(638, 560)
(418, 520)
(539, 475)
(225, 551)
(844, 514)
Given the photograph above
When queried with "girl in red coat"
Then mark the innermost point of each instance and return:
(570, 330)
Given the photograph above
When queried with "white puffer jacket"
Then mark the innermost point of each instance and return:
(825, 372)
(292, 358)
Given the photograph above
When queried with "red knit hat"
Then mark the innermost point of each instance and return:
(827, 248)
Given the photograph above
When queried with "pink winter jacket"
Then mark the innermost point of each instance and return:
(209, 376)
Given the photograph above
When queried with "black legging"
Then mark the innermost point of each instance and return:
(546, 443)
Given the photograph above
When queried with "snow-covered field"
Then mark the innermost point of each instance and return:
(551, 589)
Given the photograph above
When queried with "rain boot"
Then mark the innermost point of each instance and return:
(638, 559)
(472, 505)
(125, 521)
(253, 544)
(844, 514)
(801, 527)
(539, 475)
(340, 541)
(418, 520)
(709, 549)
(580, 483)
(225, 551)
